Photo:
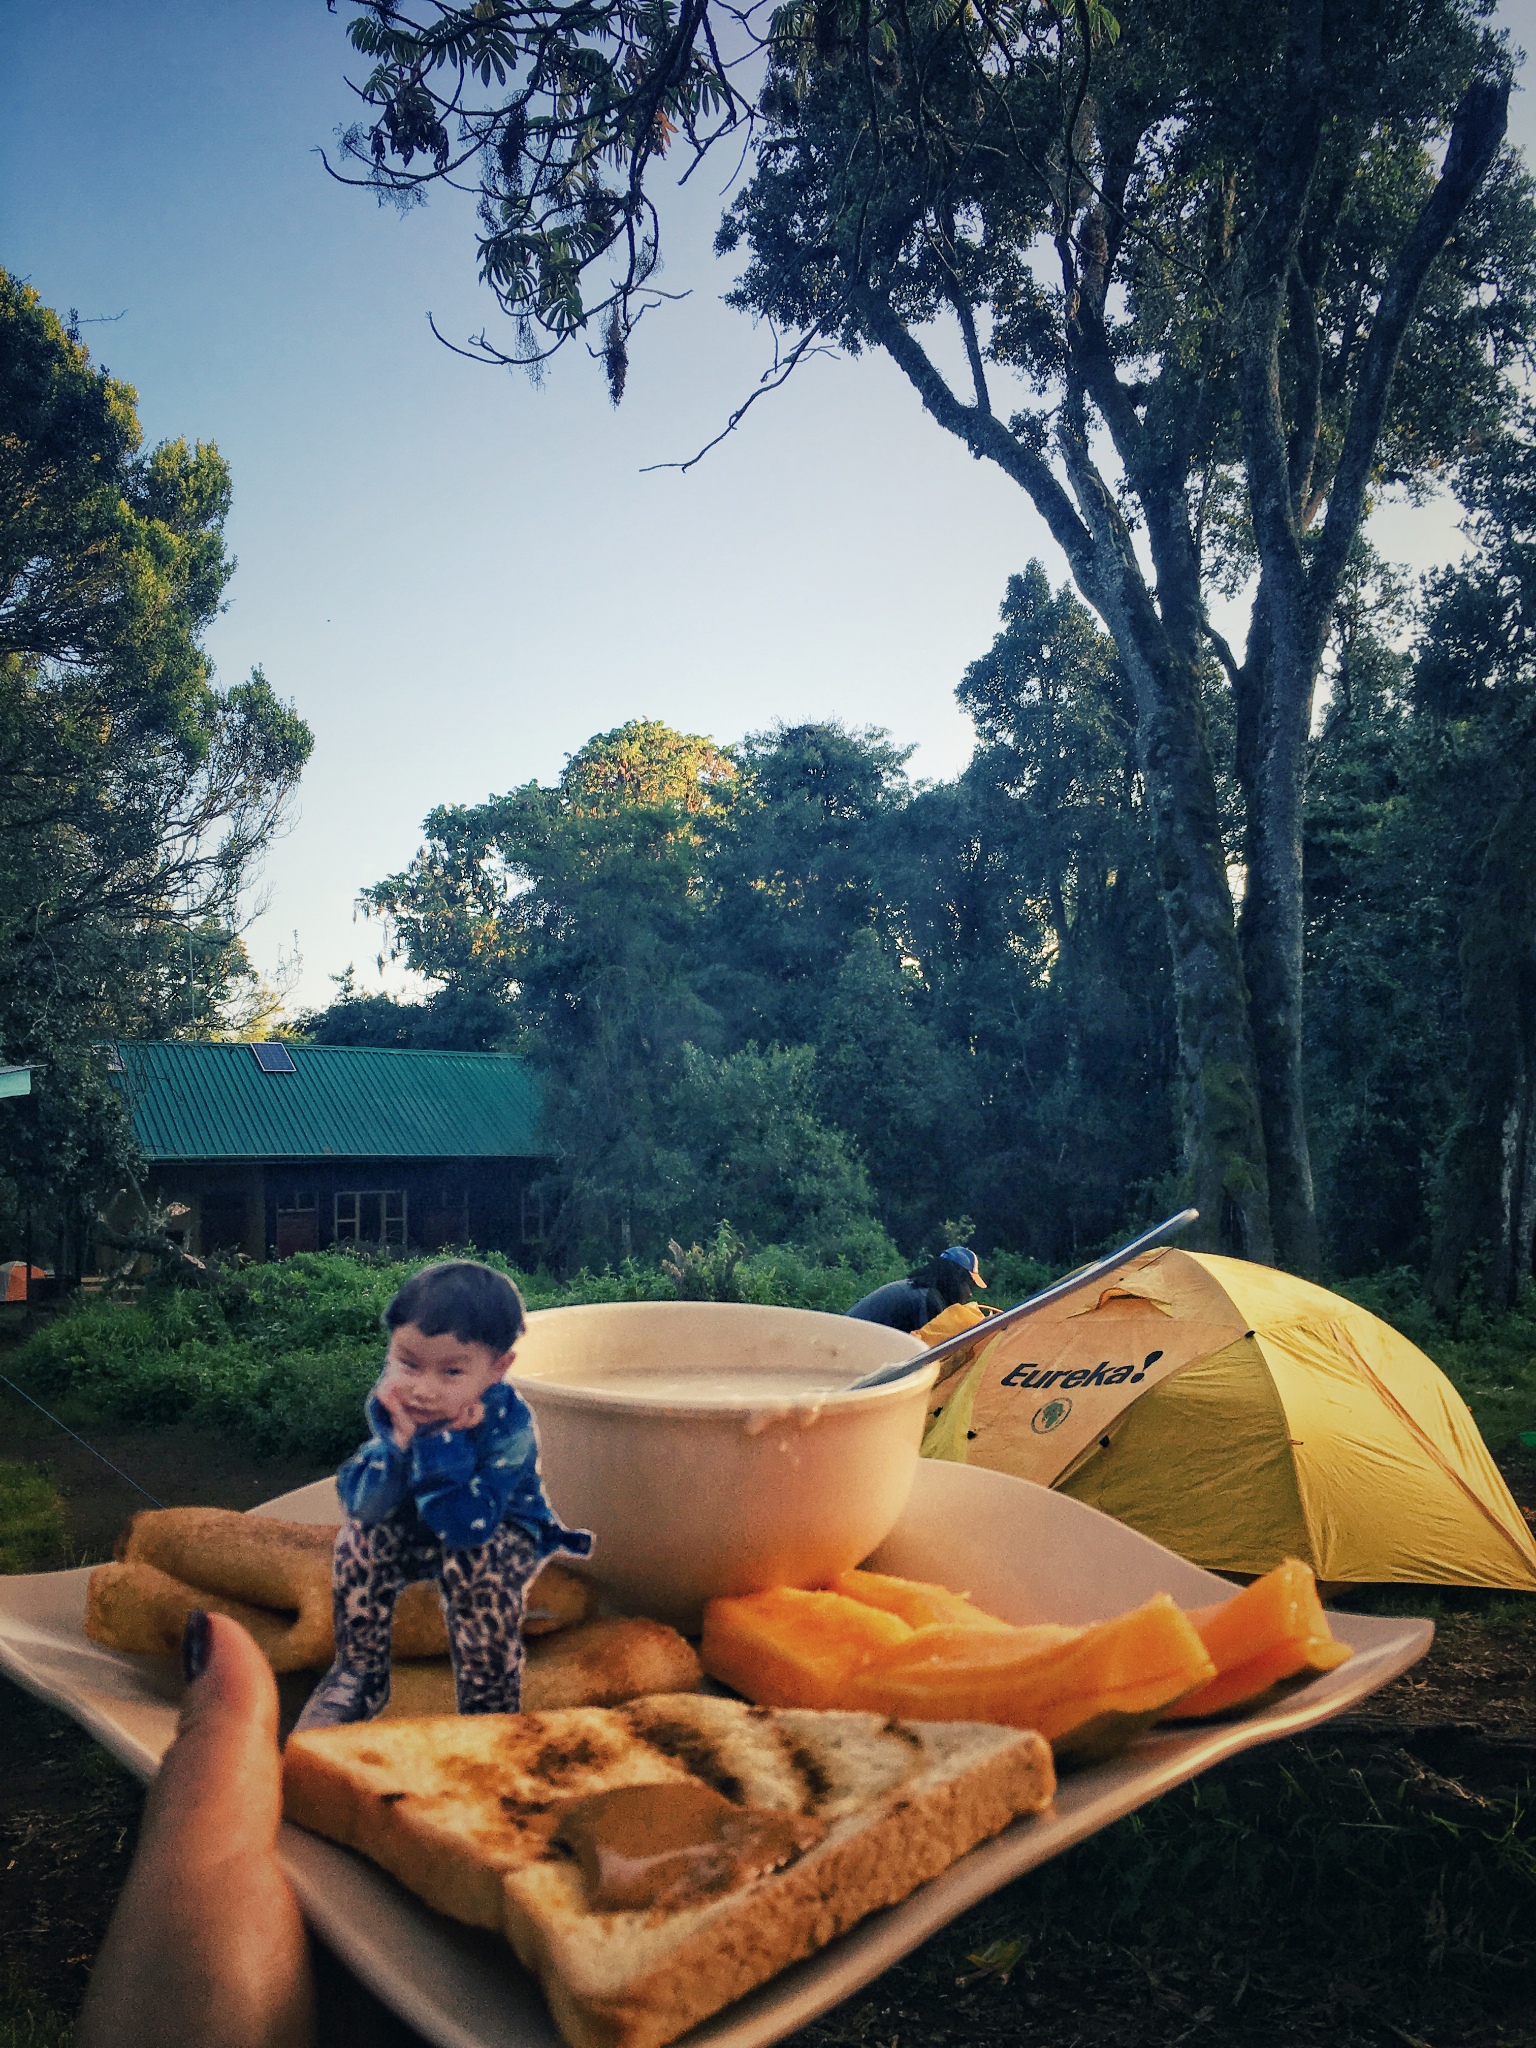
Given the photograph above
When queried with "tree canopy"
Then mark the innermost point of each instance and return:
(1201, 283)
(135, 797)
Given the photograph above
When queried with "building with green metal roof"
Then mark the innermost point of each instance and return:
(278, 1148)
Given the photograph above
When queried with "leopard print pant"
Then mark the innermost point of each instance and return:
(482, 1593)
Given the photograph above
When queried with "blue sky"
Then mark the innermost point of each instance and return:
(457, 577)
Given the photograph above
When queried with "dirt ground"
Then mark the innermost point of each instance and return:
(1455, 1739)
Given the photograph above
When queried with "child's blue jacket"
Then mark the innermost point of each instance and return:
(465, 1482)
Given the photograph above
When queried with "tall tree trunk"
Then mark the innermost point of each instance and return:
(1273, 694)
(1487, 1192)
(1299, 587)
(1223, 1131)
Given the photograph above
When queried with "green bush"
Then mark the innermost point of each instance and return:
(285, 1353)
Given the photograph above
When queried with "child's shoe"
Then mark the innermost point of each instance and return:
(344, 1695)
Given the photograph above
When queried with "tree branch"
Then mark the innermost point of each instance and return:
(983, 433)
(1477, 133)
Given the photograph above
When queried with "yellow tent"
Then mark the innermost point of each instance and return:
(1240, 1416)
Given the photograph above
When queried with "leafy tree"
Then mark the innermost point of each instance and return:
(451, 1020)
(135, 798)
(886, 1077)
(1383, 1023)
(581, 907)
(1477, 680)
(746, 1144)
(1038, 934)
(795, 872)
(1270, 290)
(1267, 299)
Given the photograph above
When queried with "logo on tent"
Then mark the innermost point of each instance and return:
(1050, 1417)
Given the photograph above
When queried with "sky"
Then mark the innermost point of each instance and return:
(458, 577)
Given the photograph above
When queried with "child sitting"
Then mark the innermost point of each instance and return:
(447, 1487)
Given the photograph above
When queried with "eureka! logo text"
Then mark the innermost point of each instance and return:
(1104, 1375)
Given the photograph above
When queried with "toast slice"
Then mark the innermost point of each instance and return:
(468, 1812)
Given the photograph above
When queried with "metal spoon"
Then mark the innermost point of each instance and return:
(884, 1374)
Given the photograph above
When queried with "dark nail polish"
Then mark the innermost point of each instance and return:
(194, 1645)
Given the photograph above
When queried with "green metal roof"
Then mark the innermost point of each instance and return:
(212, 1101)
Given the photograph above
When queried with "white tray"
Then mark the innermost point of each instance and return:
(1024, 1553)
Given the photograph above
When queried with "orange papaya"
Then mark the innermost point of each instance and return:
(1108, 1680)
(786, 1648)
(918, 1604)
(1269, 1632)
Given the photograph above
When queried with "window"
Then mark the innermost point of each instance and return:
(274, 1058)
(221, 1222)
(371, 1216)
(298, 1223)
(532, 1219)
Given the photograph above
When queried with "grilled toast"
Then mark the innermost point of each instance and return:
(469, 1811)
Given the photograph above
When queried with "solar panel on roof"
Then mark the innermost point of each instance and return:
(274, 1058)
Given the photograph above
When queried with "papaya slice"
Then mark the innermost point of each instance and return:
(919, 1605)
(787, 1648)
(1111, 1678)
(1269, 1632)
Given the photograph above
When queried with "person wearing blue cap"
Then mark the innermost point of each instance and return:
(908, 1304)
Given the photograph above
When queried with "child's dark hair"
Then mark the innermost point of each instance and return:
(479, 1305)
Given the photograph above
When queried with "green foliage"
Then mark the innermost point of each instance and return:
(136, 796)
(783, 988)
(284, 1354)
(32, 1535)
(586, 98)
(1421, 886)
(452, 1020)
(746, 1142)
(27, 2021)
(1238, 272)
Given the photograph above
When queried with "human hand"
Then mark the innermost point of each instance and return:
(206, 1948)
(391, 1398)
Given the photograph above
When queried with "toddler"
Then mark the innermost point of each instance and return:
(447, 1487)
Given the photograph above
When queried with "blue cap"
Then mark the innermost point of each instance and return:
(962, 1255)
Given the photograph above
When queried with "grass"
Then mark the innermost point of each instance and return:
(32, 1530)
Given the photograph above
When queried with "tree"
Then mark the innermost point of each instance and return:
(1267, 300)
(581, 908)
(1290, 264)
(1477, 680)
(795, 872)
(1383, 1023)
(135, 798)
(451, 1020)
(745, 1144)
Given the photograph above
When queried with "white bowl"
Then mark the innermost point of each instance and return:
(658, 1431)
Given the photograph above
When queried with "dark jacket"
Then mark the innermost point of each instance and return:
(465, 1482)
(899, 1305)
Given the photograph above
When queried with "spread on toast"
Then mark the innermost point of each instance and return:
(673, 1845)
